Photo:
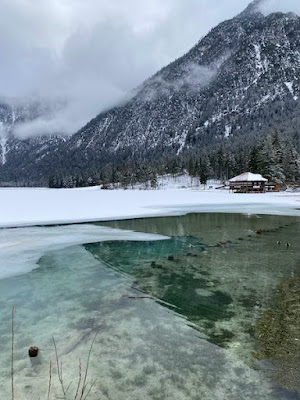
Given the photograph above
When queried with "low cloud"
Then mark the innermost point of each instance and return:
(91, 53)
(194, 77)
(270, 6)
(59, 124)
(198, 76)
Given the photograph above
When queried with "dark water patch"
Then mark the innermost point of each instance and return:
(125, 255)
(181, 292)
(223, 337)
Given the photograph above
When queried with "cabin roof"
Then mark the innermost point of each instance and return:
(248, 177)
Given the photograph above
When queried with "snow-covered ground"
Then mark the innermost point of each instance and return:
(180, 181)
(28, 207)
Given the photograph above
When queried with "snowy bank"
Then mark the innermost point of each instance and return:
(29, 207)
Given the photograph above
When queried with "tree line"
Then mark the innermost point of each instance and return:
(275, 158)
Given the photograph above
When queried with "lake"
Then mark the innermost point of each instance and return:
(211, 312)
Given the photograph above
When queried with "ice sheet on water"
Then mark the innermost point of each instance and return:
(21, 248)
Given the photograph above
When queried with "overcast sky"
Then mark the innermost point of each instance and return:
(93, 52)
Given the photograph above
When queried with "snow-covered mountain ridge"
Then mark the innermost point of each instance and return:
(238, 83)
(241, 73)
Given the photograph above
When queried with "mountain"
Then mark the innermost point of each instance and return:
(238, 84)
(18, 157)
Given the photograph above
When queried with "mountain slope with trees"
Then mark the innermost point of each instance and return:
(213, 107)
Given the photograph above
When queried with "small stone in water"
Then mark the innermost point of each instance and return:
(33, 351)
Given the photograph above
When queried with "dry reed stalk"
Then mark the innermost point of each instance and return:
(85, 391)
(84, 384)
(79, 379)
(83, 395)
(12, 352)
(59, 369)
(91, 387)
(50, 380)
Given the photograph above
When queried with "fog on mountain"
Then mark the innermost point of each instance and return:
(235, 88)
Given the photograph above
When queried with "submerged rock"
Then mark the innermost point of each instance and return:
(33, 351)
(204, 292)
(154, 265)
(35, 356)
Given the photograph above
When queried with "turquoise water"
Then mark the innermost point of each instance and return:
(180, 316)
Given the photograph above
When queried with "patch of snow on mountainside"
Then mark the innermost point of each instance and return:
(259, 64)
(289, 85)
(228, 130)
(181, 141)
(3, 141)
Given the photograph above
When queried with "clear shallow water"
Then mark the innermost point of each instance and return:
(197, 346)
(21, 248)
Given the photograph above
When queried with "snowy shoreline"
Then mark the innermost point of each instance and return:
(23, 207)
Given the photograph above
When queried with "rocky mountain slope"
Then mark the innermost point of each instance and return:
(18, 156)
(239, 83)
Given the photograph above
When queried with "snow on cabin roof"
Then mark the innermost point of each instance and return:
(248, 177)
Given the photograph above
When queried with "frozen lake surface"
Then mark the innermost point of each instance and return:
(28, 207)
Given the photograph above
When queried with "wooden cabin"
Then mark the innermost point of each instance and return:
(248, 183)
(275, 187)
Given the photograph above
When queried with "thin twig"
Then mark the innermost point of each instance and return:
(87, 368)
(91, 387)
(50, 380)
(59, 369)
(12, 352)
(84, 385)
(69, 386)
(79, 379)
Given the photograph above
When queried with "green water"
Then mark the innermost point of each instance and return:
(216, 270)
(198, 316)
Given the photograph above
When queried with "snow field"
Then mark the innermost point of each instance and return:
(28, 207)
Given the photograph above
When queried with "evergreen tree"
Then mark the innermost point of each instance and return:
(153, 181)
(204, 170)
(270, 160)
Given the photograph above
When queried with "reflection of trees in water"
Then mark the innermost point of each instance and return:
(279, 334)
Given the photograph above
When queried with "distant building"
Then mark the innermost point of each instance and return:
(249, 183)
